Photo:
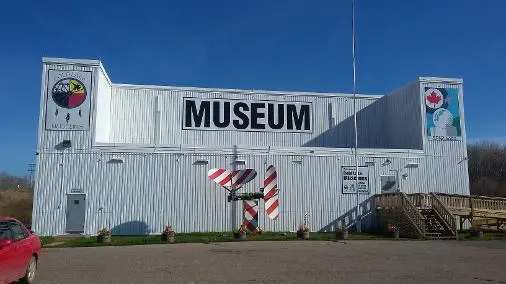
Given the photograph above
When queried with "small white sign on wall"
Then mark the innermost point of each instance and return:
(349, 175)
(68, 100)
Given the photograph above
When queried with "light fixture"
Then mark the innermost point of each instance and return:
(404, 176)
(201, 162)
(66, 144)
(463, 159)
(387, 162)
(115, 160)
(239, 162)
(412, 165)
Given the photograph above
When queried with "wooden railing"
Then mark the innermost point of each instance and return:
(420, 200)
(413, 214)
(498, 204)
(388, 200)
(455, 201)
(444, 213)
(478, 206)
(446, 206)
(402, 202)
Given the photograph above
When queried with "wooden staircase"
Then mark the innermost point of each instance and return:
(434, 226)
(420, 216)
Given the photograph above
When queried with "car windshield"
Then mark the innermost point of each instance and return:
(4, 230)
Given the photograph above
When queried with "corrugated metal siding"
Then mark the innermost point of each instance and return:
(133, 118)
(371, 125)
(161, 185)
(50, 173)
(80, 139)
(149, 190)
(403, 119)
(448, 157)
(103, 107)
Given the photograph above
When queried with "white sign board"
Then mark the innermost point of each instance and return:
(247, 115)
(349, 176)
(68, 98)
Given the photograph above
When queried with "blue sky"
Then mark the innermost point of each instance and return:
(273, 45)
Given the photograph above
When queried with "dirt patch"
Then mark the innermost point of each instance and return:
(17, 204)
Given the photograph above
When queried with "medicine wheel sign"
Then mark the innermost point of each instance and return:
(69, 93)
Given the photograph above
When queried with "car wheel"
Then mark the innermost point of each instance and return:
(30, 271)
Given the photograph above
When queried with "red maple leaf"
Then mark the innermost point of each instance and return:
(433, 98)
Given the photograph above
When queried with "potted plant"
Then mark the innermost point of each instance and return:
(476, 231)
(104, 235)
(303, 232)
(342, 231)
(168, 235)
(394, 230)
(240, 234)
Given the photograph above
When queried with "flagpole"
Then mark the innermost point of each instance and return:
(358, 220)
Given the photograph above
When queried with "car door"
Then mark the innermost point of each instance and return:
(6, 255)
(21, 246)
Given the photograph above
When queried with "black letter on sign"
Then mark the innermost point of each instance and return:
(256, 115)
(216, 114)
(241, 115)
(302, 117)
(191, 108)
(281, 116)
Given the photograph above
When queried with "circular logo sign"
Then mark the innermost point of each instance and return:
(434, 98)
(442, 117)
(69, 93)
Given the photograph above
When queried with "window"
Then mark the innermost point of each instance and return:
(18, 233)
(388, 184)
(4, 230)
(76, 202)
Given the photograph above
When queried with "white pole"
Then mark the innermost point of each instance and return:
(358, 221)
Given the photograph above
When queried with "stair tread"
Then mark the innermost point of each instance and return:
(435, 227)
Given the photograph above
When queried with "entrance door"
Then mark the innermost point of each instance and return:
(76, 211)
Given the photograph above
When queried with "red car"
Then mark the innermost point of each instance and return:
(19, 251)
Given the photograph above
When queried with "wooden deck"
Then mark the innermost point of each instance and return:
(415, 210)
(475, 206)
(481, 211)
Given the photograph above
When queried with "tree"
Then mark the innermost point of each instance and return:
(487, 169)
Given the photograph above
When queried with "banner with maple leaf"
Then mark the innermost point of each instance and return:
(442, 113)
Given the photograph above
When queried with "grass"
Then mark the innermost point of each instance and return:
(17, 203)
(47, 240)
(205, 238)
(487, 236)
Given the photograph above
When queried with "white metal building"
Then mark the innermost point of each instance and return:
(135, 158)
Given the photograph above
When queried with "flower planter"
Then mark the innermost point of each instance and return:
(305, 235)
(344, 235)
(104, 239)
(240, 237)
(477, 234)
(168, 239)
(395, 234)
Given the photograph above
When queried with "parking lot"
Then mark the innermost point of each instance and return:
(280, 262)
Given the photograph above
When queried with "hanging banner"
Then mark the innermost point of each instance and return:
(442, 114)
(349, 176)
(68, 100)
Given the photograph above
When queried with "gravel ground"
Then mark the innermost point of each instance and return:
(280, 262)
